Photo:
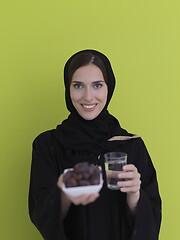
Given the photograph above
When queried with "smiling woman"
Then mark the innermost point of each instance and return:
(88, 91)
(133, 211)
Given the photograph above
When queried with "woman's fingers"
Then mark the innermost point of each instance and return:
(130, 183)
(60, 180)
(129, 175)
(131, 179)
(129, 167)
(131, 189)
(82, 199)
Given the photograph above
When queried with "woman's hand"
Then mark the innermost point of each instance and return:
(131, 185)
(83, 199)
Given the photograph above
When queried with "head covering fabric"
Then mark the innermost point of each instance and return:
(85, 140)
(110, 76)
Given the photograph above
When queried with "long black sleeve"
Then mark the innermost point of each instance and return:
(44, 195)
(148, 217)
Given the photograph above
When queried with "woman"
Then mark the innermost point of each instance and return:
(131, 213)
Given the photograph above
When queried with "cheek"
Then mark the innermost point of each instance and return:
(74, 96)
(103, 95)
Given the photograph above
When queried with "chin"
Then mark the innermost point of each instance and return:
(90, 117)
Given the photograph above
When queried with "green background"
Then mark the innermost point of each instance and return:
(142, 40)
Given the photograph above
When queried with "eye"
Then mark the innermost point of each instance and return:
(98, 85)
(77, 86)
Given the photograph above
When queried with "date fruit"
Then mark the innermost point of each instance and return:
(83, 174)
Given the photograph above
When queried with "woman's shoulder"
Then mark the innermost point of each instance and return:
(44, 137)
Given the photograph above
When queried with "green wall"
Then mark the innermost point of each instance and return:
(141, 38)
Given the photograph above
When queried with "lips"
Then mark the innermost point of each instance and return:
(88, 107)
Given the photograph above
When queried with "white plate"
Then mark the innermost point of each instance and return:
(77, 191)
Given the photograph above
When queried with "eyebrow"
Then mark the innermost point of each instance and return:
(99, 81)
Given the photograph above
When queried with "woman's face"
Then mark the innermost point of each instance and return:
(88, 91)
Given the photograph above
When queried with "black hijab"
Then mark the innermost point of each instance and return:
(85, 140)
(110, 78)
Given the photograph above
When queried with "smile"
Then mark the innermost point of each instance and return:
(89, 107)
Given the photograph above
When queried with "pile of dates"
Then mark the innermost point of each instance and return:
(83, 174)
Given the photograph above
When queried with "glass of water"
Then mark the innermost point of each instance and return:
(114, 162)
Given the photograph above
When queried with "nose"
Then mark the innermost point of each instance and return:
(88, 94)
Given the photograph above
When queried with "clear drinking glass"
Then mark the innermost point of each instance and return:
(114, 162)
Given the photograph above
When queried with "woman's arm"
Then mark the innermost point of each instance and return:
(44, 195)
(67, 200)
(131, 186)
(147, 218)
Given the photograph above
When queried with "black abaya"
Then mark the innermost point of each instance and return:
(77, 140)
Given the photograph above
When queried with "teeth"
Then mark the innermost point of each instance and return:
(89, 106)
